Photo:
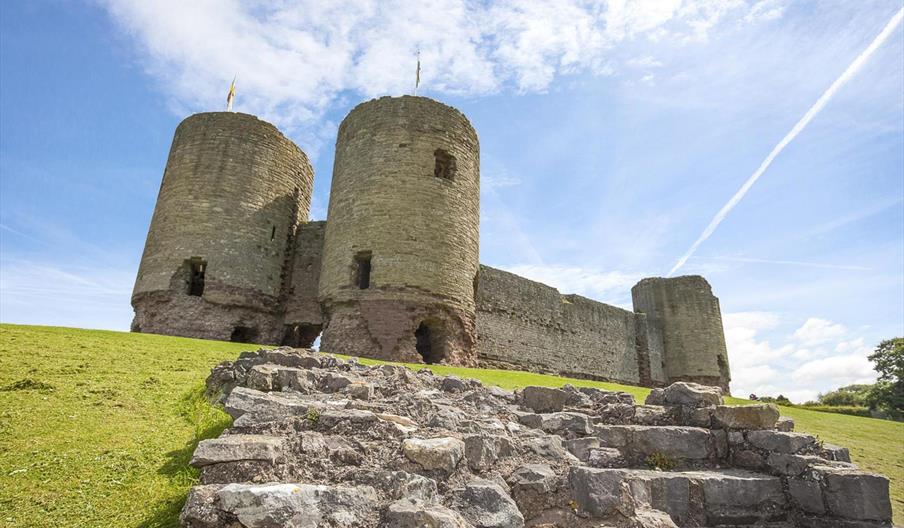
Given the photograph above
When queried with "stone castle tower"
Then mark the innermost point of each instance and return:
(233, 193)
(400, 256)
(394, 272)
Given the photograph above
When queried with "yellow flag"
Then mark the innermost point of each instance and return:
(230, 97)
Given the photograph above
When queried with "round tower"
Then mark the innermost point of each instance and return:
(685, 322)
(233, 192)
(400, 254)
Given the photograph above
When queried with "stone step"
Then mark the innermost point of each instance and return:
(691, 498)
(679, 447)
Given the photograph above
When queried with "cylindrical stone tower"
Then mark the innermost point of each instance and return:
(684, 315)
(232, 195)
(400, 254)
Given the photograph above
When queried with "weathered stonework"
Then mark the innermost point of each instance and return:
(418, 229)
(319, 441)
(394, 273)
(686, 316)
(232, 195)
(530, 326)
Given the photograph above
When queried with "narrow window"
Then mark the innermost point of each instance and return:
(362, 270)
(444, 165)
(273, 233)
(196, 271)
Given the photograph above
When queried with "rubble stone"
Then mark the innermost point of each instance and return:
(342, 444)
(435, 453)
(762, 416)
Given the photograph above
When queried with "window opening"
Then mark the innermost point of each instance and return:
(197, 268)
(362, 270)
(444, 165)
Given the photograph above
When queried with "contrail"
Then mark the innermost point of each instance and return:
(804, 121)
(787, 262)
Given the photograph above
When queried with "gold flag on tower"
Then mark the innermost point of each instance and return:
(230, 97)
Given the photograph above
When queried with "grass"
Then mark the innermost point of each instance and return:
(97, 427)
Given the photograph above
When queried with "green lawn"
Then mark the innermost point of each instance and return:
(97, 427)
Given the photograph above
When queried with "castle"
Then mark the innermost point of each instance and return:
(394, 272)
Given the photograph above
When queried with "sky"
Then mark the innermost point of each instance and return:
(614, 135)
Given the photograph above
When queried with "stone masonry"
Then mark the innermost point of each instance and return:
(394, 272)
(318, 441)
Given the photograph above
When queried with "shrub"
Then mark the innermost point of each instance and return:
(660, 461)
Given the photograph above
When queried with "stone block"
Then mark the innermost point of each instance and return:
(599, 492)
(806, 495)
(784, 424)
(834, 452)
(485, 504)
(736, 497)
(692, 395)
(606, 457)
(408, 514)
(761, 416)
(689, 443)
(232, 448)
(532, 488)
(580, 447)
(273, 505)
(543, 399)
(780, 442)
(854, 494)
(441, 454)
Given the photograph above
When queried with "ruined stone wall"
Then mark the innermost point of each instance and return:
(527, 325)
(302, 309)
(405, 194)
(233, 192)
(686, 314)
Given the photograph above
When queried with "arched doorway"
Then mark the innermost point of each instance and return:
(429, 343)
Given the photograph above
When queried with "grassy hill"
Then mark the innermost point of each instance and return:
(97, 427)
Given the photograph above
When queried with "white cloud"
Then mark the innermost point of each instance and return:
(845, 370)
(294, 58)
(815, 331)
(831, 357)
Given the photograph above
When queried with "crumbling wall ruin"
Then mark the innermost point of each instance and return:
(317, 441)
(527, 325)
(686, 321)
(303, 318)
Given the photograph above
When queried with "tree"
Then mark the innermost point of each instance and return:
(888, 393)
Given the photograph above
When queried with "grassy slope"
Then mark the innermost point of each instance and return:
(108, 445)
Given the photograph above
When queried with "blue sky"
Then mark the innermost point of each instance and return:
(611, 134)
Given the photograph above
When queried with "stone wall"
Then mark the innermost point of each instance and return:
(527, 325)
(318, 441)
(232, 194)
(686, 315)
(303, 317)
(405, 197)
